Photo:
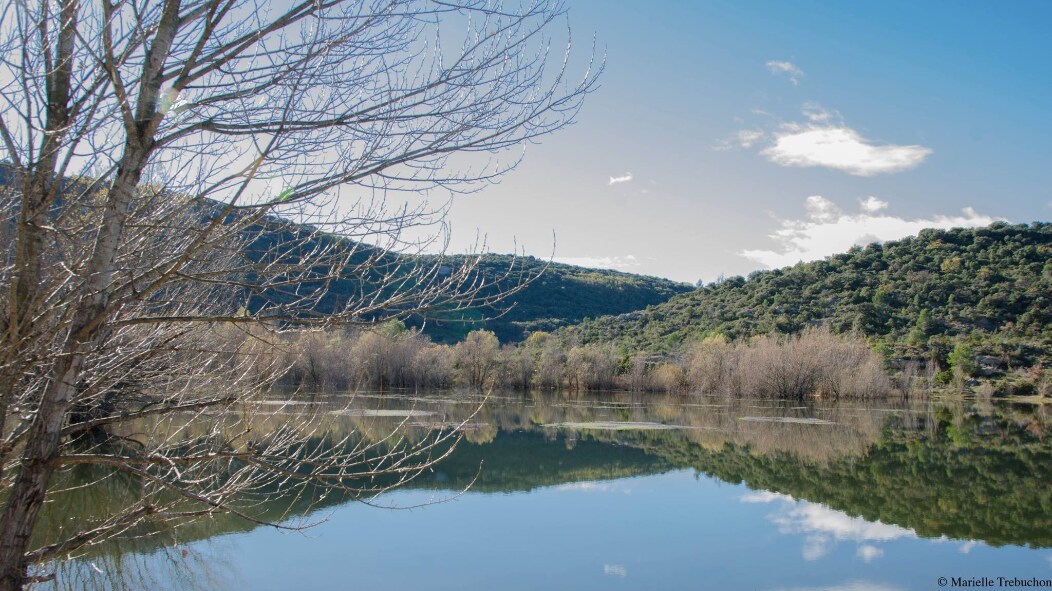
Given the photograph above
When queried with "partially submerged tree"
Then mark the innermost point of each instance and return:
(154, 149)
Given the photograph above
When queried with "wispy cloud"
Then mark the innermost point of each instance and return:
(828, 230)
(786, 69)
(745, 138)
(839, 147)
(819, 114)
(621, 179)
(616, 570)
(596, 487)
(618, 263)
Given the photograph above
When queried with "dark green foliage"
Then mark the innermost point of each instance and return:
(920, 296)
(555, 295)
(968, 477)
(962, 360)
(558, 296)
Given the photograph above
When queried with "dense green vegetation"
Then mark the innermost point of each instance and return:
(990, 288)
(966, 476)
(556, 295)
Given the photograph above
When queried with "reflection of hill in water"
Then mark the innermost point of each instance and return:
(983, 478)
(526, 460)
(939, 470)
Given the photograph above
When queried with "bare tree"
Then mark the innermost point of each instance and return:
(477, 358)
(155, 149)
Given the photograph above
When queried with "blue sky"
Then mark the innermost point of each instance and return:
(756, 134)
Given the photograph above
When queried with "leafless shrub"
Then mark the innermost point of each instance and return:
(550, 361)
(433, 367)
(669, 377)
(712, 366)
(516, 367)
(477, 358)
(635, 379)
(813, 363)
(591, 367)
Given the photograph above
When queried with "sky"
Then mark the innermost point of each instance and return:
(730, 136)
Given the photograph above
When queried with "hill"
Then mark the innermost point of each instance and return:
(542, 295)
(559, 295)
(990, 287)
(554, 295)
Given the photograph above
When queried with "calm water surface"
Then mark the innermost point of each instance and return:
(624, 492)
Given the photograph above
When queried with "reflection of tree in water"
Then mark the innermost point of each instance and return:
(951, 469)
(952, 472)
(184, 568)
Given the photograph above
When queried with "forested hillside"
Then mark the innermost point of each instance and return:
(541, 295)
(555, 296)
(988, 287)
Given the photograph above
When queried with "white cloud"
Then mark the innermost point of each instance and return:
(621, 179)
(822, 210)
(841, 148)
(618, 263)
(819, 114)
(967, 546)
(823, 527)
(787, 68)
(825, 140)
(868, 553)
(764, 496)
(872, 205)
(819, 520)
(828, 231)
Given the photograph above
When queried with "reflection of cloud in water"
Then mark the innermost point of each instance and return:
(812, 518)
(616, 570)
(822, 527)
(816, 547)
(869, 553)
(967, 546)
(850, 586)
(594, 487)
(764, 496)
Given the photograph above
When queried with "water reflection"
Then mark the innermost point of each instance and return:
(834, 481)
(822, 527)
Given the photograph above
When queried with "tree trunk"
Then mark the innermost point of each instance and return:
(37, 465)
(44, 442)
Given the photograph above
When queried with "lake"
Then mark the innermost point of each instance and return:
(624, 491)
